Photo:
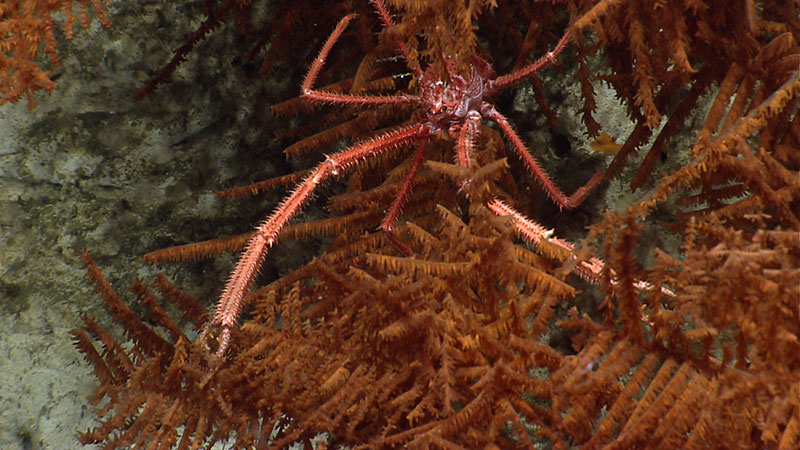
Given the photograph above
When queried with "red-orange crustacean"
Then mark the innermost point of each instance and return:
(456, 107)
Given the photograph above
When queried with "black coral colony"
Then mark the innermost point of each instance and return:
(458, 326)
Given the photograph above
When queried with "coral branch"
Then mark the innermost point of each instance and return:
(26, 29)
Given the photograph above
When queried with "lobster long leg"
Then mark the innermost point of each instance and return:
(337, 97)
(552, 190)
(241, 280)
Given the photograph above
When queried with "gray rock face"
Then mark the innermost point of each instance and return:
(92, 168)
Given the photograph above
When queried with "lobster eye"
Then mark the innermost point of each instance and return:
(444, 108)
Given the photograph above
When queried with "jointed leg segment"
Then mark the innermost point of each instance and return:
(533, 166)
(241, 280)
(337, 97)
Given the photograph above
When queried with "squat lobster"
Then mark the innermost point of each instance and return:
(456, 106)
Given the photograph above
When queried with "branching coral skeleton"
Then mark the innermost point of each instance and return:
(455, 107)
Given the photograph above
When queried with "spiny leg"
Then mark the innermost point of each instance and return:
(550, 187)
(546, 60)
(541, 176)
(466, 138)
(336, 97)
(535, 233)
(387, 224)
(590, 270)
(241, 280)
